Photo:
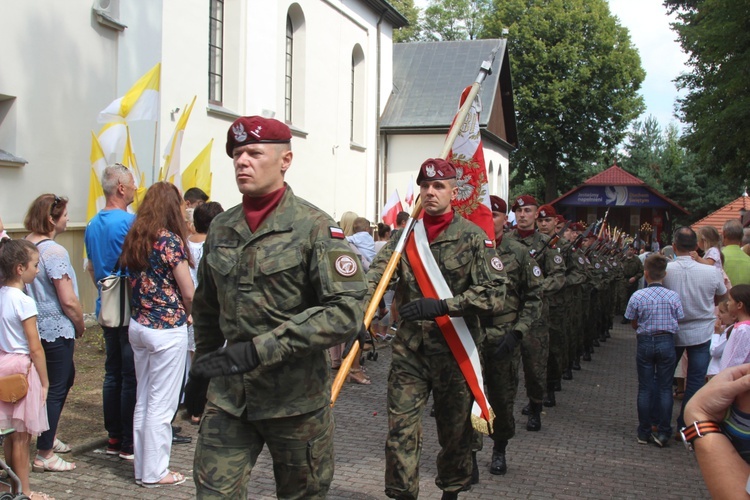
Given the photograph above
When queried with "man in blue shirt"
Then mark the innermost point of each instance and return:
(654, 312)
(104, 237)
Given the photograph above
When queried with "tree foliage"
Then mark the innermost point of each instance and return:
(411, 13)
(576, 77)
(658, 158)
(445, 20)
(716, 36)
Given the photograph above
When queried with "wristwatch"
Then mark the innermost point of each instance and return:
(697, 430)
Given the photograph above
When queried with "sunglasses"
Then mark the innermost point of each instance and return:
(57, 201)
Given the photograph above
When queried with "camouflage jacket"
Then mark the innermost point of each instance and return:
(632, 268)
(476, 280)
(523, 303)
(293, 289)
(551, 262)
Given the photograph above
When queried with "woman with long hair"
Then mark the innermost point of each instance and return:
(157, 259)
(60, 320)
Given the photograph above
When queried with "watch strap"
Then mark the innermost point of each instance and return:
(697, 430)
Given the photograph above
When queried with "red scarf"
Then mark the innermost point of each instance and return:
(257, 208)
(499, 240)
(525, 233)
(436, 224)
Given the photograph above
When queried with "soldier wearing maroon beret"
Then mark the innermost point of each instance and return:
(535, 345)
(281, 285)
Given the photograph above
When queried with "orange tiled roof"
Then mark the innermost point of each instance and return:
(729, 211)
(614, 176)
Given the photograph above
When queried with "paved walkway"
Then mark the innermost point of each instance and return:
(586, 449)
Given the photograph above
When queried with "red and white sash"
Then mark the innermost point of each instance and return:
(432, 284)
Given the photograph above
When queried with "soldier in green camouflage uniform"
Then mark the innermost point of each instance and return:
(558, 308)
(280, 284)
(535, 345)
(422, 361)
(501, 352)
(632, 270)
(575, 278)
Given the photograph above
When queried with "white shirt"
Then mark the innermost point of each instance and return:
(15, 307)
(697, 285)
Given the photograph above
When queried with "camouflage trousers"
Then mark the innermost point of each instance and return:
(557, 360)
(574, 326)
(534, 353)
(501, 382)
(301, 448)
(411, 378)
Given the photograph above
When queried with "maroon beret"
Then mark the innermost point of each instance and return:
(498, 204)
(546, 211)
(524, 200)
(560, 219)
(577, 226)
(434, 169)
(254, 129)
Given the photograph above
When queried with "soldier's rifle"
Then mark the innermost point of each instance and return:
(346, 364)
(576, 244)
(550, 242)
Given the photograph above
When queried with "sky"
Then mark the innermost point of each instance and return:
(661, 55)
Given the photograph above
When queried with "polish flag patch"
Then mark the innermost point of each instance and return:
(489, 243)
(336, 232)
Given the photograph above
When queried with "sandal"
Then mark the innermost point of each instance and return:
(175, 479)
(36, 495)
(60, 447)
(53, 464)
(358, 377)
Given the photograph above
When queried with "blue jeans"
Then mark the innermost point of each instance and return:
(119, 389)
(61, 373)
(655, 360)
(699, 356)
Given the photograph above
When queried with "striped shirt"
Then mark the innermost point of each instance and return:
(656, 309)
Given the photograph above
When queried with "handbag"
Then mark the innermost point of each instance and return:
(13, 388)
(115, 300)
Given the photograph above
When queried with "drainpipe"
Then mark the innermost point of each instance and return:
(378, 171)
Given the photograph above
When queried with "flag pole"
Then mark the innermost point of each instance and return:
(458, 121)
(153, 162)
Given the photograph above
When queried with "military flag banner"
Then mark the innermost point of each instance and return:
(467, 155)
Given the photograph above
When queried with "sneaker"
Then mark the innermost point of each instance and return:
(113, 446)
(644, 439)
(126, 454)
(661, 440)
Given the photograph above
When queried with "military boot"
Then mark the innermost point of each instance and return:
(535, 418)
(557, 385)
(567, 374)
(577, 363)
(549, 399)
(449, 496)
(602, 337)
(595, 343)
(474, 468)
(498, 466)
(586, 354)
(526, 409)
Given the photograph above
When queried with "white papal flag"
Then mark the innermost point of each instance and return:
(141, 102)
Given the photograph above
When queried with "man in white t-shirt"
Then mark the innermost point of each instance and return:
(700, 288)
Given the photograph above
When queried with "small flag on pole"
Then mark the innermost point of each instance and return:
(141, 102)
(410, 192)
(467, 154)
(391, 209)
(198, 173)
(170, 172)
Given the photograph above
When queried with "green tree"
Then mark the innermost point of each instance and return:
(454, 19)
(576, 77)
(411, 13)
(716, 36)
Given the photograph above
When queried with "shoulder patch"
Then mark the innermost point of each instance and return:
(496, 263)
(580, 260)
(346, 265)
(558, 259)
(606, 270)
(597, 265)
(489, 243)
(336, 232)
(536, 271)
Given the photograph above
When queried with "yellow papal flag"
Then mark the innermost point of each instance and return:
(198, 173)
(141, 102)
(96, 194)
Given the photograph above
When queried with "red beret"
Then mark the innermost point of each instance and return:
(546, 211)
(577, 226)
(498, 204)
(254, 129)
(560, 219)
(434, 169)
(524, 200)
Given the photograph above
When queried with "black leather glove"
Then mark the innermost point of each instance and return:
(360, 336)
(231, 360)
(423, 309)
(507, 345)
(195, 395)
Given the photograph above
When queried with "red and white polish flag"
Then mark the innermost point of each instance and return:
(410, 192)
(391, 209)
